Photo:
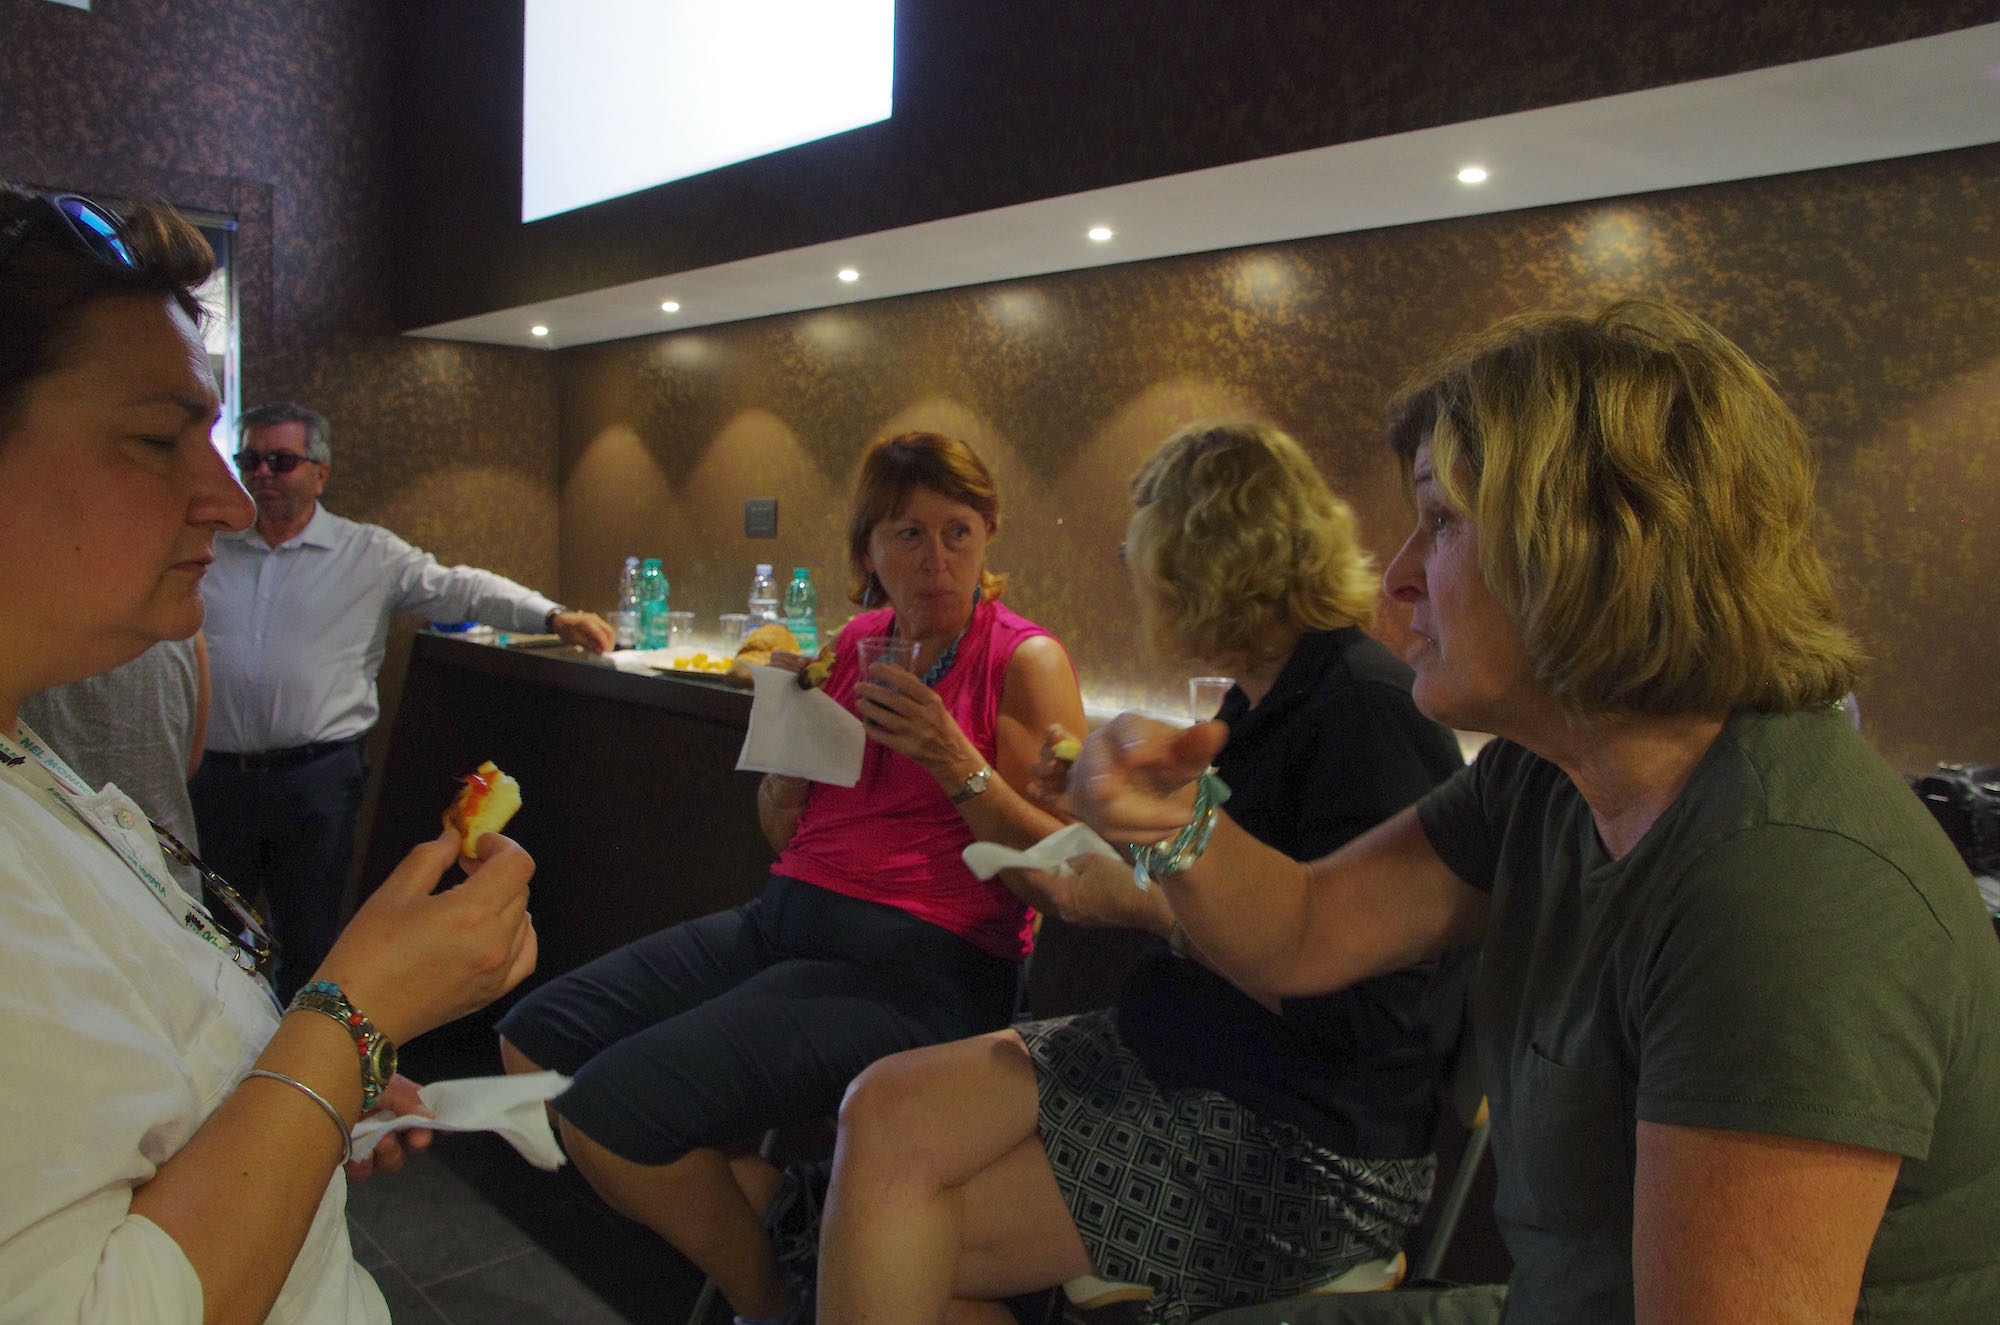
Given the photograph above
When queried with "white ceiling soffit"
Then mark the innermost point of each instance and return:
(1928, 95)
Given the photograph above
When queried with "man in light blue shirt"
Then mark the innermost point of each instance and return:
(297, 625)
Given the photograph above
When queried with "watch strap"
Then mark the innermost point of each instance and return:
(326, 998)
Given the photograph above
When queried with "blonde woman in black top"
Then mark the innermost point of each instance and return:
(1194, 1140)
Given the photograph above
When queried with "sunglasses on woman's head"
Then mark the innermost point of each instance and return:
(86, 226)
(278, 462)
(254, 944)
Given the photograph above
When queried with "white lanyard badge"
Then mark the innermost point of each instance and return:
(65, 787)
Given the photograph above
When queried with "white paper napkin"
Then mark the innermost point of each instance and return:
(1052, 854)
(800, 733)
(643, 661)
(509, 1105)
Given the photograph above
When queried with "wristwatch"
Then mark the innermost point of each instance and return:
(549, 619)
(973, 785)
(378, 1056)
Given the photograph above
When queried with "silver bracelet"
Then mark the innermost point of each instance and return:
(333, 1114)
(1179, 851)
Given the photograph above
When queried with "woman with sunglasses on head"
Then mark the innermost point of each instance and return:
(1738, 1000)
(174, 1141)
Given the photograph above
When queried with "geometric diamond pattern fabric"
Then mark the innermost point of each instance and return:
(1192, 1194)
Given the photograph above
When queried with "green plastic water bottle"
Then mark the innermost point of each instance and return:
(802, 611)
(652, 605)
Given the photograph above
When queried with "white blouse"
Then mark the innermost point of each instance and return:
(122, 1030)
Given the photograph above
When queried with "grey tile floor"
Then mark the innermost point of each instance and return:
(446, 1252)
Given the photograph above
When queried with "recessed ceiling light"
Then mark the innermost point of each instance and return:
(671, 306)
(849, 274)
(1099, 233)
(538, 330)
(1472, 175)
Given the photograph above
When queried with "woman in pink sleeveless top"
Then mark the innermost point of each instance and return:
(871, 936)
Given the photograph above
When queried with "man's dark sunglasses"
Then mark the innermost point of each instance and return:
(83, 223)
(254, 944)
(278, 462)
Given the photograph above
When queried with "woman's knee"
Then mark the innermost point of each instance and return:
(608, 1171)
(944, 1111)
(893, 1100)
(514, 1061)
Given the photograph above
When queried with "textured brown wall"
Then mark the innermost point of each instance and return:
(1870, 291)
(279, 114)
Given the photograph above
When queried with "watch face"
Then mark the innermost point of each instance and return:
(973, 785)
(381, 1061)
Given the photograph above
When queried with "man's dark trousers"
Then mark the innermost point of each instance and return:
(282, 825)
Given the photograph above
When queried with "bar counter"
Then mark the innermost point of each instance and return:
(632, 807)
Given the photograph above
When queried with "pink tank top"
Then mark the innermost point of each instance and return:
(894, 837)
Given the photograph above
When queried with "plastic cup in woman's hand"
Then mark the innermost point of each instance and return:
(887, 649)
(882, 649)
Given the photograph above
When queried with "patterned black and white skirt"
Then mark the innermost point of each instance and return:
(1191, 1193)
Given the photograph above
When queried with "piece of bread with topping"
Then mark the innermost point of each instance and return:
(815, 672)
(486, 800)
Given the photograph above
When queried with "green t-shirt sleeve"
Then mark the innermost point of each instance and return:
(1797, 984)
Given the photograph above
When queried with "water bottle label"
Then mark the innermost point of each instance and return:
(801, 604)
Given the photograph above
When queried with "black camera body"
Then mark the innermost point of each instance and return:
(1965, 800)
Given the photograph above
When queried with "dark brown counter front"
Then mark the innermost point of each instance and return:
(632, 807)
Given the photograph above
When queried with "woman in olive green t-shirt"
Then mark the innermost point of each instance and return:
(1738, 998)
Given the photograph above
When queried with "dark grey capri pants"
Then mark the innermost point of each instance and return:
(714, 1030)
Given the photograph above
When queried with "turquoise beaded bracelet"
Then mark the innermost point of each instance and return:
(1180, 851)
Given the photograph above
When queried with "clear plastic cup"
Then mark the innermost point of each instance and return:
(680, 630)
(735, 625)
(882, 649)
(1205, 695)
(888, 649)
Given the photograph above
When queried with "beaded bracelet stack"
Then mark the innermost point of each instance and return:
(377, 1053)
(1181, 850)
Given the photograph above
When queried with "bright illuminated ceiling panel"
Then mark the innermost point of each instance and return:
(622, 95)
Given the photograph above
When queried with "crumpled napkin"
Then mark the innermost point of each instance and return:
(800, 733)
(643, 661)
(1052, 854)
(509, 1105)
